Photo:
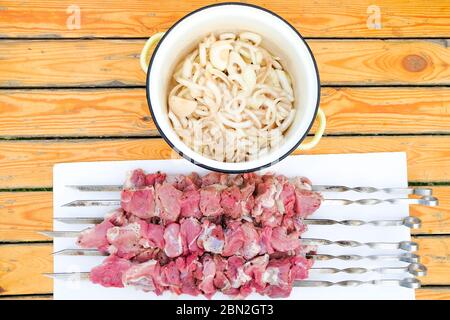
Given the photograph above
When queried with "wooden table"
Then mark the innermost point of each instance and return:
(78, 94)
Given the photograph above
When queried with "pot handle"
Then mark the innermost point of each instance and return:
(318, 135)
(144, 58)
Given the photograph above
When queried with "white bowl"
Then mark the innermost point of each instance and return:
(279, 37)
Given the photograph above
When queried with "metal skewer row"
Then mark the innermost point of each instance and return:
(425, 194)
(414, 267)
(411, 283)
(425, 201)
(410, 222)
(319, 188)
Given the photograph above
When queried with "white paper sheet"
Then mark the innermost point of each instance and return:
(374, 169)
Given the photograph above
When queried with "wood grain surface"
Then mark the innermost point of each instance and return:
(21, 266)
(140, 18)
(29, 163)
(124, 112)
(22, 214)
(56, 63)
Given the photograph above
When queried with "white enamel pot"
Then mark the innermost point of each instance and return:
(279, 38)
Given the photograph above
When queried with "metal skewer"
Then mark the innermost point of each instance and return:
(403, 245)
(426, 201)
(410, 222)
(412, 283)
(321, 188)
(404, 257)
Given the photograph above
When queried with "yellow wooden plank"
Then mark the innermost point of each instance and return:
(29, 163)
(140, 18)
(28, 297)
(56, 63)
(433, 294)
(24, 213)
(21, 266)
(124, 112)
(103, 112)
(434, 219)
(435, 255)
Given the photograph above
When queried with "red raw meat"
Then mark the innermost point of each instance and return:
(153, 237)
(206, 285)
(190, 202)
(306, 202)
(140, 202)
(210, 201)
(173, 240)
(168, 202)
(190, 229)
(95, 237)
(109, 273)
(141, 276)
(234, 239)
(283, 242)
(124, 241)
(212, 238)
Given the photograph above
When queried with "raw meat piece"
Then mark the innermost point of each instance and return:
(141, 276)
(117, 217)
(234, 239)
(154, 178)
(153, 236)
(135, 179)
(124, 241)
(283, 242)
(109, 273)
(210, 201)
(140, 202)
(170, 277)
(212, 238)
(190, 229)
(235, 272)
(168, 202)
(306, 202)
(231, 202)
(95, 237)
(251, 247)
(278, 278)
(206, 285)
(190, 201)
(173, 240)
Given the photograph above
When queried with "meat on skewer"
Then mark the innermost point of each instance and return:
(206, 275)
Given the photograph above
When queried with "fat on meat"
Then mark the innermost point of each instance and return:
(173, 241)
